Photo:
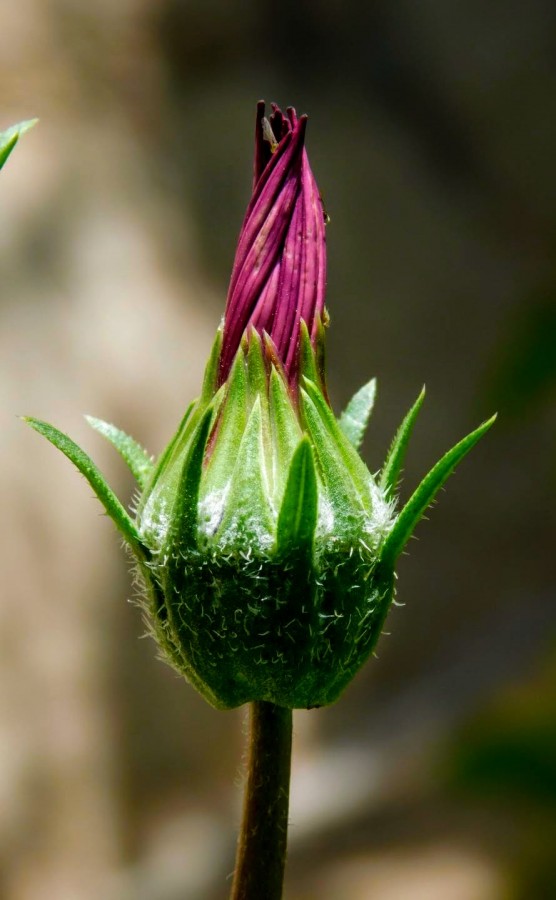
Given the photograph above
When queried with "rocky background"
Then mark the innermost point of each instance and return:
(433, 136)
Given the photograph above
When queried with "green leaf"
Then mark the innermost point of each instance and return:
(355, 417)
(426, 492)
(9, 138)
(297, 520)
(86, 466)
(138, 460)
(182, 534)
(390, 474)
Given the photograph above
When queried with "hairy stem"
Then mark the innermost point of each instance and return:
(261, 851)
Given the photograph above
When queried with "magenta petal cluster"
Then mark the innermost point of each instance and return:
(279, 273)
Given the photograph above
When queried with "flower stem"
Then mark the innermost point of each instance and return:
(261, 851)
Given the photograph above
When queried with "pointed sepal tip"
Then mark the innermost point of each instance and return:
(422, 498)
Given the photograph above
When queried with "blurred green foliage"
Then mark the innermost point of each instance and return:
(506, 757)
(523, 378)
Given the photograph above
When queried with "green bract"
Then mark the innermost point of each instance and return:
(266, 547)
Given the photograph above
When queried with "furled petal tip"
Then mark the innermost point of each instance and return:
(279, 273)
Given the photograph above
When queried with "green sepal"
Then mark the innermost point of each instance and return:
(297, 519)
(256, 371)
(182, 534)
(321, 324)
(286, 431)
(355, 417)
(341, 491)
(210, 378)
(229, 429)
(169, 449)
(426, 492)
(180, 442)
(356, 471)
(247, 509)
(9, 138)
(307, 361)
(257, 384)
(123, 522)
(389, 477)
(158, 496)
(137, 459)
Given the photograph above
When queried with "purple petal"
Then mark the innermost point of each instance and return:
(279, 272)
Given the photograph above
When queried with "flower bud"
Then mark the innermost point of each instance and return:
(266, 547)
(268, 523)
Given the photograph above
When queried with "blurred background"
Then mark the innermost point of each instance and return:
(432, 135)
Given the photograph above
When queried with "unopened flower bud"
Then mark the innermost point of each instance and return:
(266, 547)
